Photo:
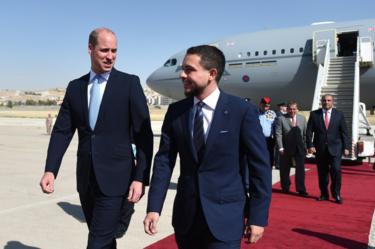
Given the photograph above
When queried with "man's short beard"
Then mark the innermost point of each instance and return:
(195, 91)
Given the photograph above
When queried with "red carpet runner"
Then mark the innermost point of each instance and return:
(297, 222)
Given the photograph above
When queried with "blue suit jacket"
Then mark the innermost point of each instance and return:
(335, 138)
(216, 181)
(123, 113)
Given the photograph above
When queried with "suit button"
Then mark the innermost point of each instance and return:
(93, 136)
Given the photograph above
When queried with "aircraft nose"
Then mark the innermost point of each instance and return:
(151, 81)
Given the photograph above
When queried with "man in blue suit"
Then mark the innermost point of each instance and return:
(327, 136)
(211, 131)
(107, 107)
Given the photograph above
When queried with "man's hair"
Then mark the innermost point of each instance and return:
(93, 37)
(326, 95)
(211, 57)
(290, 103)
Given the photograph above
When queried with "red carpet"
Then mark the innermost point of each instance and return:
(297, 222)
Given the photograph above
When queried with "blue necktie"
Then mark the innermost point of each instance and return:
(198, 132)
(95, 99)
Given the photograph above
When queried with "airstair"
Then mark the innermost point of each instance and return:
(339, 83)
(340, 77)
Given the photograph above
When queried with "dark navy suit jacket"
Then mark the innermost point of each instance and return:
(123, 113)
(335, 138)
(215, 181)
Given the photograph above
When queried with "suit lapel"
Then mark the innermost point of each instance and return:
(299, 120)
(187, 127)
(321, 118)
(333, 117)
(84, 100)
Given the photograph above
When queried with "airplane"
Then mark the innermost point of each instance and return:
(278, 63)
(300, 64)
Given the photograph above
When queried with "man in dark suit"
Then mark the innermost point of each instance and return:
(106, 106)
(211, 131)
(291, 140)
(327, 126)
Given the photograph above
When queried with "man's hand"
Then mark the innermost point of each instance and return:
(311, 150)
(150, 222)
(346, 152)
(47, 183)
(281, 152)
(253, 233)
(136, 191)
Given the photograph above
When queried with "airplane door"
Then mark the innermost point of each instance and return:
(320, 39)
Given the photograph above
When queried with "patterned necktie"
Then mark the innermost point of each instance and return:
(95, 99)
(326, 119)
(198, 132)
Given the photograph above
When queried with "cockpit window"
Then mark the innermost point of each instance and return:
(167, 63)
(170, 62)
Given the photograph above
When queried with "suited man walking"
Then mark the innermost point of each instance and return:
(106, 106)
(211, 131)
(327, 136)
(291, 139)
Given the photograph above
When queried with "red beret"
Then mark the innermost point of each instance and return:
(266, 100)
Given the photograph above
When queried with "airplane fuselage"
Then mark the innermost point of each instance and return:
(276, 63)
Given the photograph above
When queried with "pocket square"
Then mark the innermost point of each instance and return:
(224, 132)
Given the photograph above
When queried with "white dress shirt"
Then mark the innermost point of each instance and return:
(208, 110)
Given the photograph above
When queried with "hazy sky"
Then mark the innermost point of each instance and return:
(44, 42)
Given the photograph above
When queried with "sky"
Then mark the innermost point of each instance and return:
(44, 42)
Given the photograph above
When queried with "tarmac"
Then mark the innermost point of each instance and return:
(30, 219)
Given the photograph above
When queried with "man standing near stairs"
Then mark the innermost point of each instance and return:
(330, 140)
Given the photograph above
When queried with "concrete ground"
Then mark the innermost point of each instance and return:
(30, 219)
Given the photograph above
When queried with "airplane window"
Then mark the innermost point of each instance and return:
(265, 52)
(248, 54)
(283, 51)
(167, 63)
(274, 51)
(256, 53)
(301, 49)
(173, 62)
(292, 50)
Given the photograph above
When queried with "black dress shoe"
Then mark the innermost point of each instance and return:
(322, 198)
(285, 191)
(338, 200)
(303, 193)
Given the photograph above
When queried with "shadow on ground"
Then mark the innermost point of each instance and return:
(73, 210)
(18, 245)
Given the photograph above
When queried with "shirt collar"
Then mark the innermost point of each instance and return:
(103, 75)
(211, 100)
(329, 111)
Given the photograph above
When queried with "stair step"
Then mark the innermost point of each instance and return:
(341, 81)
(340, 73)
(344, 58)
(338, 93)
(339, 86)
(343, 84)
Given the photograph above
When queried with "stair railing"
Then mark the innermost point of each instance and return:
(356, 110)
(322, 77)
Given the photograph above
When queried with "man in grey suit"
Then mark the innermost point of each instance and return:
(291, 137)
